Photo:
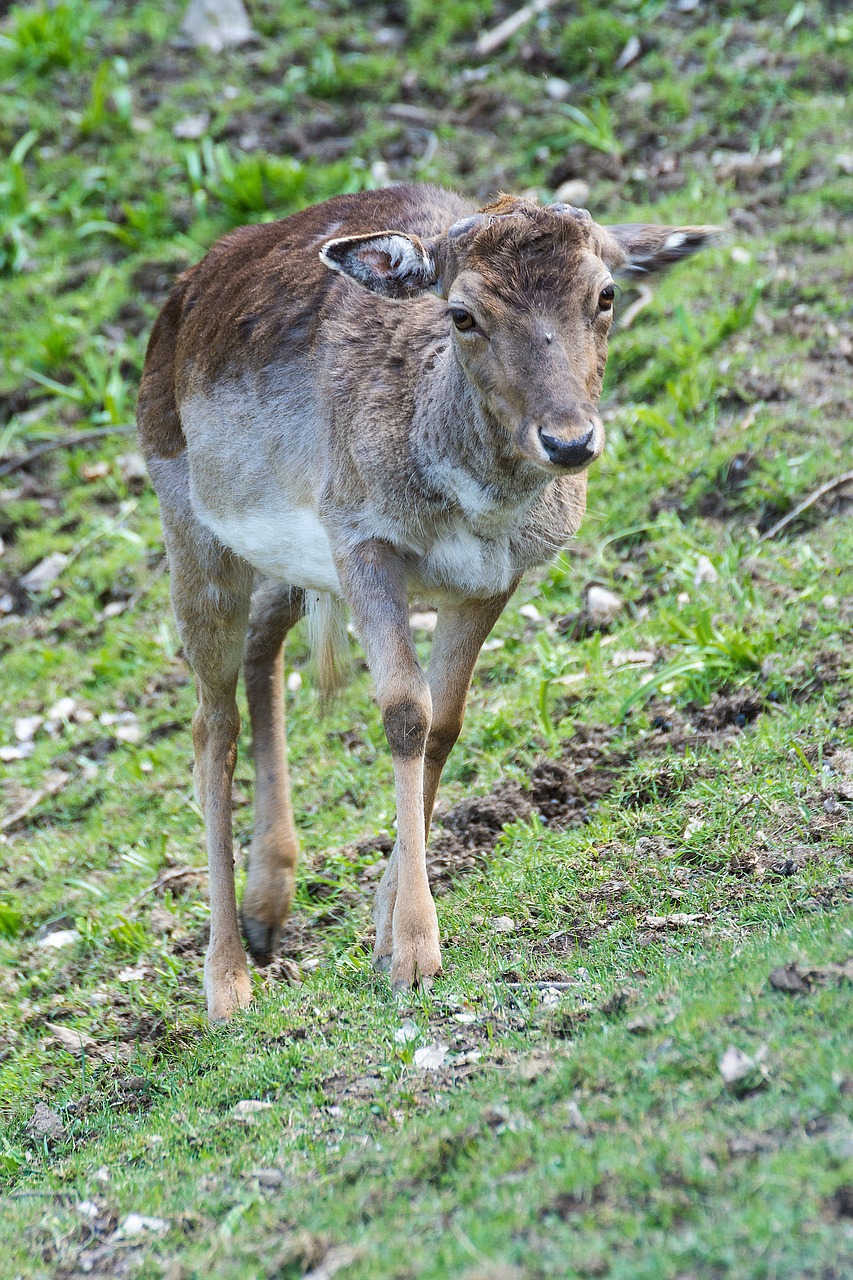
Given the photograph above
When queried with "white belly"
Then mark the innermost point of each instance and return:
(288, 543)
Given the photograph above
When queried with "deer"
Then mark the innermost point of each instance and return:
(390, 395)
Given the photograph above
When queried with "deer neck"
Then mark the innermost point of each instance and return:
(465, 452)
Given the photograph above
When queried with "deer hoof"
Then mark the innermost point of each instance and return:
(415, 963)
(227, 994)
(261, 939)
(382, 964)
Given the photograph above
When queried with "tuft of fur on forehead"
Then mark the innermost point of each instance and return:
(520, 242)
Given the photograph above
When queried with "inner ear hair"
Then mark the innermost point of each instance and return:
(391, 263)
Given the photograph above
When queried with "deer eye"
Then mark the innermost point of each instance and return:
(605, 298)
(461, 318)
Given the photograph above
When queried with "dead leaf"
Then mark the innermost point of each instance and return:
(431, 1057)
(94, 471)
(73, 1040)
(54, 782)
(534, 1065)
(678, 920)
(132, 466)
(334, 1260)
(633, 658)
(248, 1108)
(45, 572)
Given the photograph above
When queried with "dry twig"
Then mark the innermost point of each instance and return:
(489, 41)
(65, 442)
(831, 485)
(14, 819)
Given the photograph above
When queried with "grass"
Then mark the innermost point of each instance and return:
(577, 1122)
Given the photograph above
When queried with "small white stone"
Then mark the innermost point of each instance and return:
(294, 682)
(137, 1224)
(406, 1032)
(63, 709)
(705, 572)
(574, 191)
(740, 255)
(45, 572)
(530, 612)
(735, 1065)
(602, 605)
(59, 938)
(503, 924)
(26, 727)
(557, 89)
(426, 621)
(192, 127)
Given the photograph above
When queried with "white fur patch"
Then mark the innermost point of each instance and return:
(675, 240)
(461, 561)
(283, 542)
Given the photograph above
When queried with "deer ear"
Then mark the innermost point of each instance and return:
(389, 263)
(642, 248)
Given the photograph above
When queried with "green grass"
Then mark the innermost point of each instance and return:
(576, 1130)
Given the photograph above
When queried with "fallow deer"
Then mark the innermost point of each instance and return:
(389, 394)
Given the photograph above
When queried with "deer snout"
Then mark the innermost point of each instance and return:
(576, 452)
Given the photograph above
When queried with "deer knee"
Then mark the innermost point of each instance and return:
(406, 720)
(215, 731)
(441, 740)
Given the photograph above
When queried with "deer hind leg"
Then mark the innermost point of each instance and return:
(272, 861)
(374, 586)
(211, 589)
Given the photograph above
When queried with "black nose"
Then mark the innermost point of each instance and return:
(569, 453)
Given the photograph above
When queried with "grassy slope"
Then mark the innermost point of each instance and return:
(732, 402)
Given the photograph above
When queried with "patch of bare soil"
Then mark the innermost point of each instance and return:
(563, 792)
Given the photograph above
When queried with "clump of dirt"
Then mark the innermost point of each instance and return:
(562, 792)
(739, 709)
(478, 822)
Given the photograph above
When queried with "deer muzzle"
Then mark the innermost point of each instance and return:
(575, 453)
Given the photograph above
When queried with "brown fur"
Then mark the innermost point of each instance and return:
(325, 427)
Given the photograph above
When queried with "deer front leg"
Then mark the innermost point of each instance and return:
(375, 589)
(458, 638)
(459, 635)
